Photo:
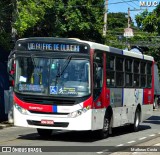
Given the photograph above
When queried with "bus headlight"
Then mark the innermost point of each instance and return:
(20, 109)
(79, 112)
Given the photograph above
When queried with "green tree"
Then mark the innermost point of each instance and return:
(140, 17)
(117, 20)
(5, 24)
(29, 12)
(149, 22)
(64, 18)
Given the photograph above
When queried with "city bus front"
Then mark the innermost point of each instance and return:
(53, 87)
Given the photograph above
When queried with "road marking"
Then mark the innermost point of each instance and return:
(159, 133)
(131, 142)
(120, 145)
(99, 152)
(152, 135)
(142, 138)
(103, 151)
(157, 144)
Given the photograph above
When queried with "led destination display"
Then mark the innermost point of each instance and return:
(53, 47)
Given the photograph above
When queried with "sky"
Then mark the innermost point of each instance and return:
(123, 5)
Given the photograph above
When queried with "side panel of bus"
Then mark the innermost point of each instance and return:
(129, 89)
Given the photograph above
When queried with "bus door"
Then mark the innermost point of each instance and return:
(97, 89)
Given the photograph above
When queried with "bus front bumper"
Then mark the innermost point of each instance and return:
(57, 122)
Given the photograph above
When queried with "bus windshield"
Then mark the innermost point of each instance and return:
(54, 77)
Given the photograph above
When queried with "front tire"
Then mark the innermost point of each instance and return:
(44, 132)
(104, 132)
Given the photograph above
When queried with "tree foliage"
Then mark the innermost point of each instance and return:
(117, 20)
(5, 23)
(29, 12)
(64, 18)
(149, 22)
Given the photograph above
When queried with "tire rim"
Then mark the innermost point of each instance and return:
(106, 125)
(137, 120)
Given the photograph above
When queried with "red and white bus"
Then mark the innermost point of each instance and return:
(71, 84)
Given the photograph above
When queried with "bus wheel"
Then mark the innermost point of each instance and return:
(155, 103)
(44, 132)
(135, 126)
(104, 132)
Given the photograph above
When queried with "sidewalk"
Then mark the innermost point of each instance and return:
(5, 124)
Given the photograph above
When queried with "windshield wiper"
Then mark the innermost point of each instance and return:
(65, 65)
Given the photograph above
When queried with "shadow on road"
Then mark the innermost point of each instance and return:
(153, 120)
(71, 136)
(80, 136)
(126, 130)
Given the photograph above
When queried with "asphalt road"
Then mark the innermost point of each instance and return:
(79, 142)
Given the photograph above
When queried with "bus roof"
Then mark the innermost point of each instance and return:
(92, 45)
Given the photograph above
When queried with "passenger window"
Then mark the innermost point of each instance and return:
(136, 66)
(128, 72)
(149, 75)
(119, 72)
(119, 64)
(143, 74)
(110, 71)
(136, 79)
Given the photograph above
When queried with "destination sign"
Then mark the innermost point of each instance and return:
(54, 47)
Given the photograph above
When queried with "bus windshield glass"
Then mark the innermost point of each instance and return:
(54, 77)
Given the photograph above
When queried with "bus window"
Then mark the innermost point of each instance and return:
(128, 72)
(136, 66)
(136, 80)
(119, 72)
(143, 74)
(149, 75)
(136, 73)
(110, 71)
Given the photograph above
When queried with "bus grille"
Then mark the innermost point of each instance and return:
(48, 101)
(56, 124)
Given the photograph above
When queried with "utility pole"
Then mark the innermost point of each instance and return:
(105, 18)
(129, 18)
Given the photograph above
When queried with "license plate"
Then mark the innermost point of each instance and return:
(51, 122)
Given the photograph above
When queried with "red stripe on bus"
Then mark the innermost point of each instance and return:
(33, 107)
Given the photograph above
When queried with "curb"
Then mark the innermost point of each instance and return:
(5, 125)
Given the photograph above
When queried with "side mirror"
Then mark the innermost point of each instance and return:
(11, 71)
(9, 65)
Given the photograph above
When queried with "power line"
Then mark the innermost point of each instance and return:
(135, 3)
(122, 2)
(127, 3)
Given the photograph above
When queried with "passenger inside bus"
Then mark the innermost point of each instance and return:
(40, 73)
